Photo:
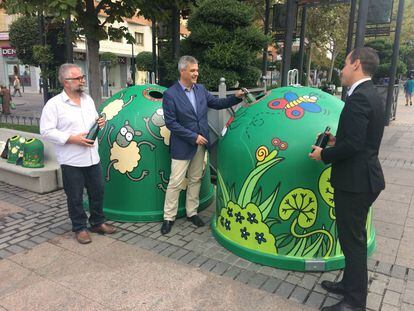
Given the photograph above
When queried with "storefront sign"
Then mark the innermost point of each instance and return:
(8, 51)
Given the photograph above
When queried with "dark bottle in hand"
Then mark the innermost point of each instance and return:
(93, 132)
(248, 97)
(323, 138)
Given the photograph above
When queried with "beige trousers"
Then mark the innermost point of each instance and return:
(180, 169)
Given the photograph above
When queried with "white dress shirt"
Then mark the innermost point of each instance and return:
(61, 117)
(354, 86)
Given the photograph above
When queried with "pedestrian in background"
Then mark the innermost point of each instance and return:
(16, 86)
(409, 90)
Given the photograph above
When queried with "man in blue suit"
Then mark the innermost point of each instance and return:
(185, 106)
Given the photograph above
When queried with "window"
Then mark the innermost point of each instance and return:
(139, 38)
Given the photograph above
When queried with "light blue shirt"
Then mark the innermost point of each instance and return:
(190, 95)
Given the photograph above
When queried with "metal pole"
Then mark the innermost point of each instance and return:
(133, 65)
(266, 31)
(350, 38)
(394, 61)
(42, 67)
(287, 48)
(154, 47)
(302, 42)
(362, 23)
(68, 39)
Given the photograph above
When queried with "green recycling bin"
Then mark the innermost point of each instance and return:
(275, 205)
(33, 153)
(134, 151)
(15, 149)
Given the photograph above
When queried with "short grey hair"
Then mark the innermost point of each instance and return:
(185, 61)
(64, 69)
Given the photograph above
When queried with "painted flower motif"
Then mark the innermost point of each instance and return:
(260, 238)
(227, 224)
(230, 212)
(244, 233)
(303, 202)
(325, 188)
(251, 217)
(239, 217)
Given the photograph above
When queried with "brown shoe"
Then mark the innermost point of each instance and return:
(103, 229)
(83, 237)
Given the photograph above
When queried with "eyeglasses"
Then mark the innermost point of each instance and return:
(80, 78)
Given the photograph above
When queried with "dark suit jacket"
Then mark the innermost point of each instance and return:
(354, 158)
(184, 123)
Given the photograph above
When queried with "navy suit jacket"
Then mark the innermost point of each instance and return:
(184, 123)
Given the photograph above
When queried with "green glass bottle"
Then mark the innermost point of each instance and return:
(248, 97)
(93, 132)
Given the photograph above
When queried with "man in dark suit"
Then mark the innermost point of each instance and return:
(356, 173)
(185, 106)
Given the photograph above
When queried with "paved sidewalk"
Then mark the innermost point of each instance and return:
(138, 269)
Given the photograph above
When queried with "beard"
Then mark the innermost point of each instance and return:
(79, 89)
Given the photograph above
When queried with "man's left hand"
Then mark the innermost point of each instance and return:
(101, 122)
(316, 154)
(239, 94)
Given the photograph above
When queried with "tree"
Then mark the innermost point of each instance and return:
(225, 41)
(326, 31)
(144, 61)
(407, 32)
(24, 36)
(384, 49)
(91, 18)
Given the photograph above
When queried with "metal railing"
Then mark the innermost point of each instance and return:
(19, 120)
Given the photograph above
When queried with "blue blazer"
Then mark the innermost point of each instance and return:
(184, 123)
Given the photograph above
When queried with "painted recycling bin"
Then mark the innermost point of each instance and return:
(33, 153)
(134, 151)
(275, 205)
(15, 148)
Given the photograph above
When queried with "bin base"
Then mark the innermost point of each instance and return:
(284, 262)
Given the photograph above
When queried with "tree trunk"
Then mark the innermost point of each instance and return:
(308, 64)
(175, 26)
(91, 27)
(93, 71)
(331, 67)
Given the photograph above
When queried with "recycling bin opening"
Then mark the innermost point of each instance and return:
(274, 205)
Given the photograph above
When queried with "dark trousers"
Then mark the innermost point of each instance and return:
(74, 180)
(351, 211)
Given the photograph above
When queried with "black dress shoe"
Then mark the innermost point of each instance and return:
(166, 226)
(196, 221)
(333, 287)
(342, 306)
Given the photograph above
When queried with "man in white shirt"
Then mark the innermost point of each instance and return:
(66, 119)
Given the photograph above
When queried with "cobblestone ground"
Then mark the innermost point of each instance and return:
(28, 219)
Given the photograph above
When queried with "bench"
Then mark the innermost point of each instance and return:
(40, 180)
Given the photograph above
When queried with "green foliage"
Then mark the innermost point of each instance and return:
(225, 41)
(109, 57)
(384, 49)
(20, 127)
(144, 61)
(24, 35)
(42, 54)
